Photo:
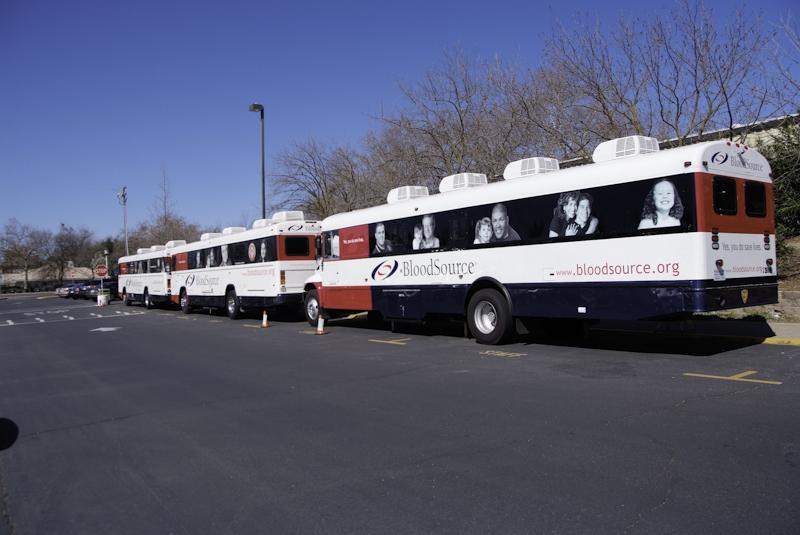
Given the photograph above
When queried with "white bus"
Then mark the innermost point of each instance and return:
(641, 233)
(259, 268)
(145, 277)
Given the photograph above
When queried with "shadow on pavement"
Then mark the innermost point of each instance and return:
(8, 433)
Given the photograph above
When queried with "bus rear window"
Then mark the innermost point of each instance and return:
(755, 199)
(297, 246)
(724, 195)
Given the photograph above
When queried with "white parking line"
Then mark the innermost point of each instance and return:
(40, 320)
(68, 317)
(10, 322)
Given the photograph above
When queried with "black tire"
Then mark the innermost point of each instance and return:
(489, 317)
(311, 308)
(126, 300)
(186, 308)
(148, 304)
(232, 305)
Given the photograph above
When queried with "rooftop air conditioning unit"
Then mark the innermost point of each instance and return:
(262, 223)
(530, 166)
(174, 243)
(624, 147)
(227, 231)
(289, 215)
(405, 193)
(462, 181)
(209, 236)
(155, 248)
(142, 250)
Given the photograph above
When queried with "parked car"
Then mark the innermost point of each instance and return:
(109, 285)
(83, 289)
(68, 290)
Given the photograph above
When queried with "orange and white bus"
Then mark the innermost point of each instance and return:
(640, 233)
(263, 267)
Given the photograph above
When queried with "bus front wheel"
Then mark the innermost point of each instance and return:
(311, 307)
(489, 317)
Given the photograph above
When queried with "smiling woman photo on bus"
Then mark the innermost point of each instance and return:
(662, 207)
(564, 214)
(585, 222)
(483, 231)
(429, 239)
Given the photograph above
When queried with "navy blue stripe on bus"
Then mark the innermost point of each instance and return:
(599, 300)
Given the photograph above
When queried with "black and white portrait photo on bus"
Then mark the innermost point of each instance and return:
(501, 225)
(382, 245)
(662, 206)
(483, 231)
(425, 234)
(585, 222)
(564, 215)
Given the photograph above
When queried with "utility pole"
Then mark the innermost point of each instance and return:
(260, 109)
(123, 200)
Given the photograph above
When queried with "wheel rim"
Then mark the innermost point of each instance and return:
(184, 301)
(312, 308)
(485, 317)
(231, 304)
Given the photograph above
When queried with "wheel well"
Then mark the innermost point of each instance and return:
(488, 282)
(228, 288)
(309, 286)
(182, 290)
(145, 290)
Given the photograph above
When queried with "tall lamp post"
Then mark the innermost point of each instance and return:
(123, 200)
(260, 109)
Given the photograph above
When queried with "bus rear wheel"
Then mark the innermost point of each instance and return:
(148, 304)
(232, 305)
(185, 307)
(489, 317)
(311, 308)
(126, 300)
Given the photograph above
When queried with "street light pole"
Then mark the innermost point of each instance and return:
(123, 200)
(259, 108)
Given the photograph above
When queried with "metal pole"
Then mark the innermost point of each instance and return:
(123, 199)
(263, 172)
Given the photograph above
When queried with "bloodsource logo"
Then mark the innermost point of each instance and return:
(189, 280)
(384, 270)
(719, 158)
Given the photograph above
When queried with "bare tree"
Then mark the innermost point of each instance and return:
(673, 76)
(787, 58)
(24, 247)
(69, 245)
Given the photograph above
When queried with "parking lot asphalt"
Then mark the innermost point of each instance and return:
(135, 421)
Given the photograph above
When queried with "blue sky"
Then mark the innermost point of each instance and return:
(98, 94)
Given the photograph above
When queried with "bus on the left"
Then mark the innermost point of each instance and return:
(146, 276)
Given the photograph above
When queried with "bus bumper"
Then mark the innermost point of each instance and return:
(285, 300)
(710, 299)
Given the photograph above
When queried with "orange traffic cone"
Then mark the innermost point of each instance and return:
(264, 321)
(321, 326)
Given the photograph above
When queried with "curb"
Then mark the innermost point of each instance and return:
(782, 341)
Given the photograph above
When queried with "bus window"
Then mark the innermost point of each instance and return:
(297, 246)
(755, 199)
(330, 241)
(724, 195)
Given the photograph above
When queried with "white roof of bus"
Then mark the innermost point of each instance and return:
(719, 157)
(284, 227)
(145, 256)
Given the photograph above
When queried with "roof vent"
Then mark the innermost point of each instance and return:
(624, 147)
(227, 231)
(405, 193)
(155, 248)
(529, 167)
(209, 236)
(289, 215)
(262, 223)
(174, 243)
(142, 250)
(462, 181)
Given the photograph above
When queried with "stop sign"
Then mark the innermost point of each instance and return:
(100, 270)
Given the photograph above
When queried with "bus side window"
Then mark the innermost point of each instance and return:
(755, 199)
(724, 195)
(296, 246)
